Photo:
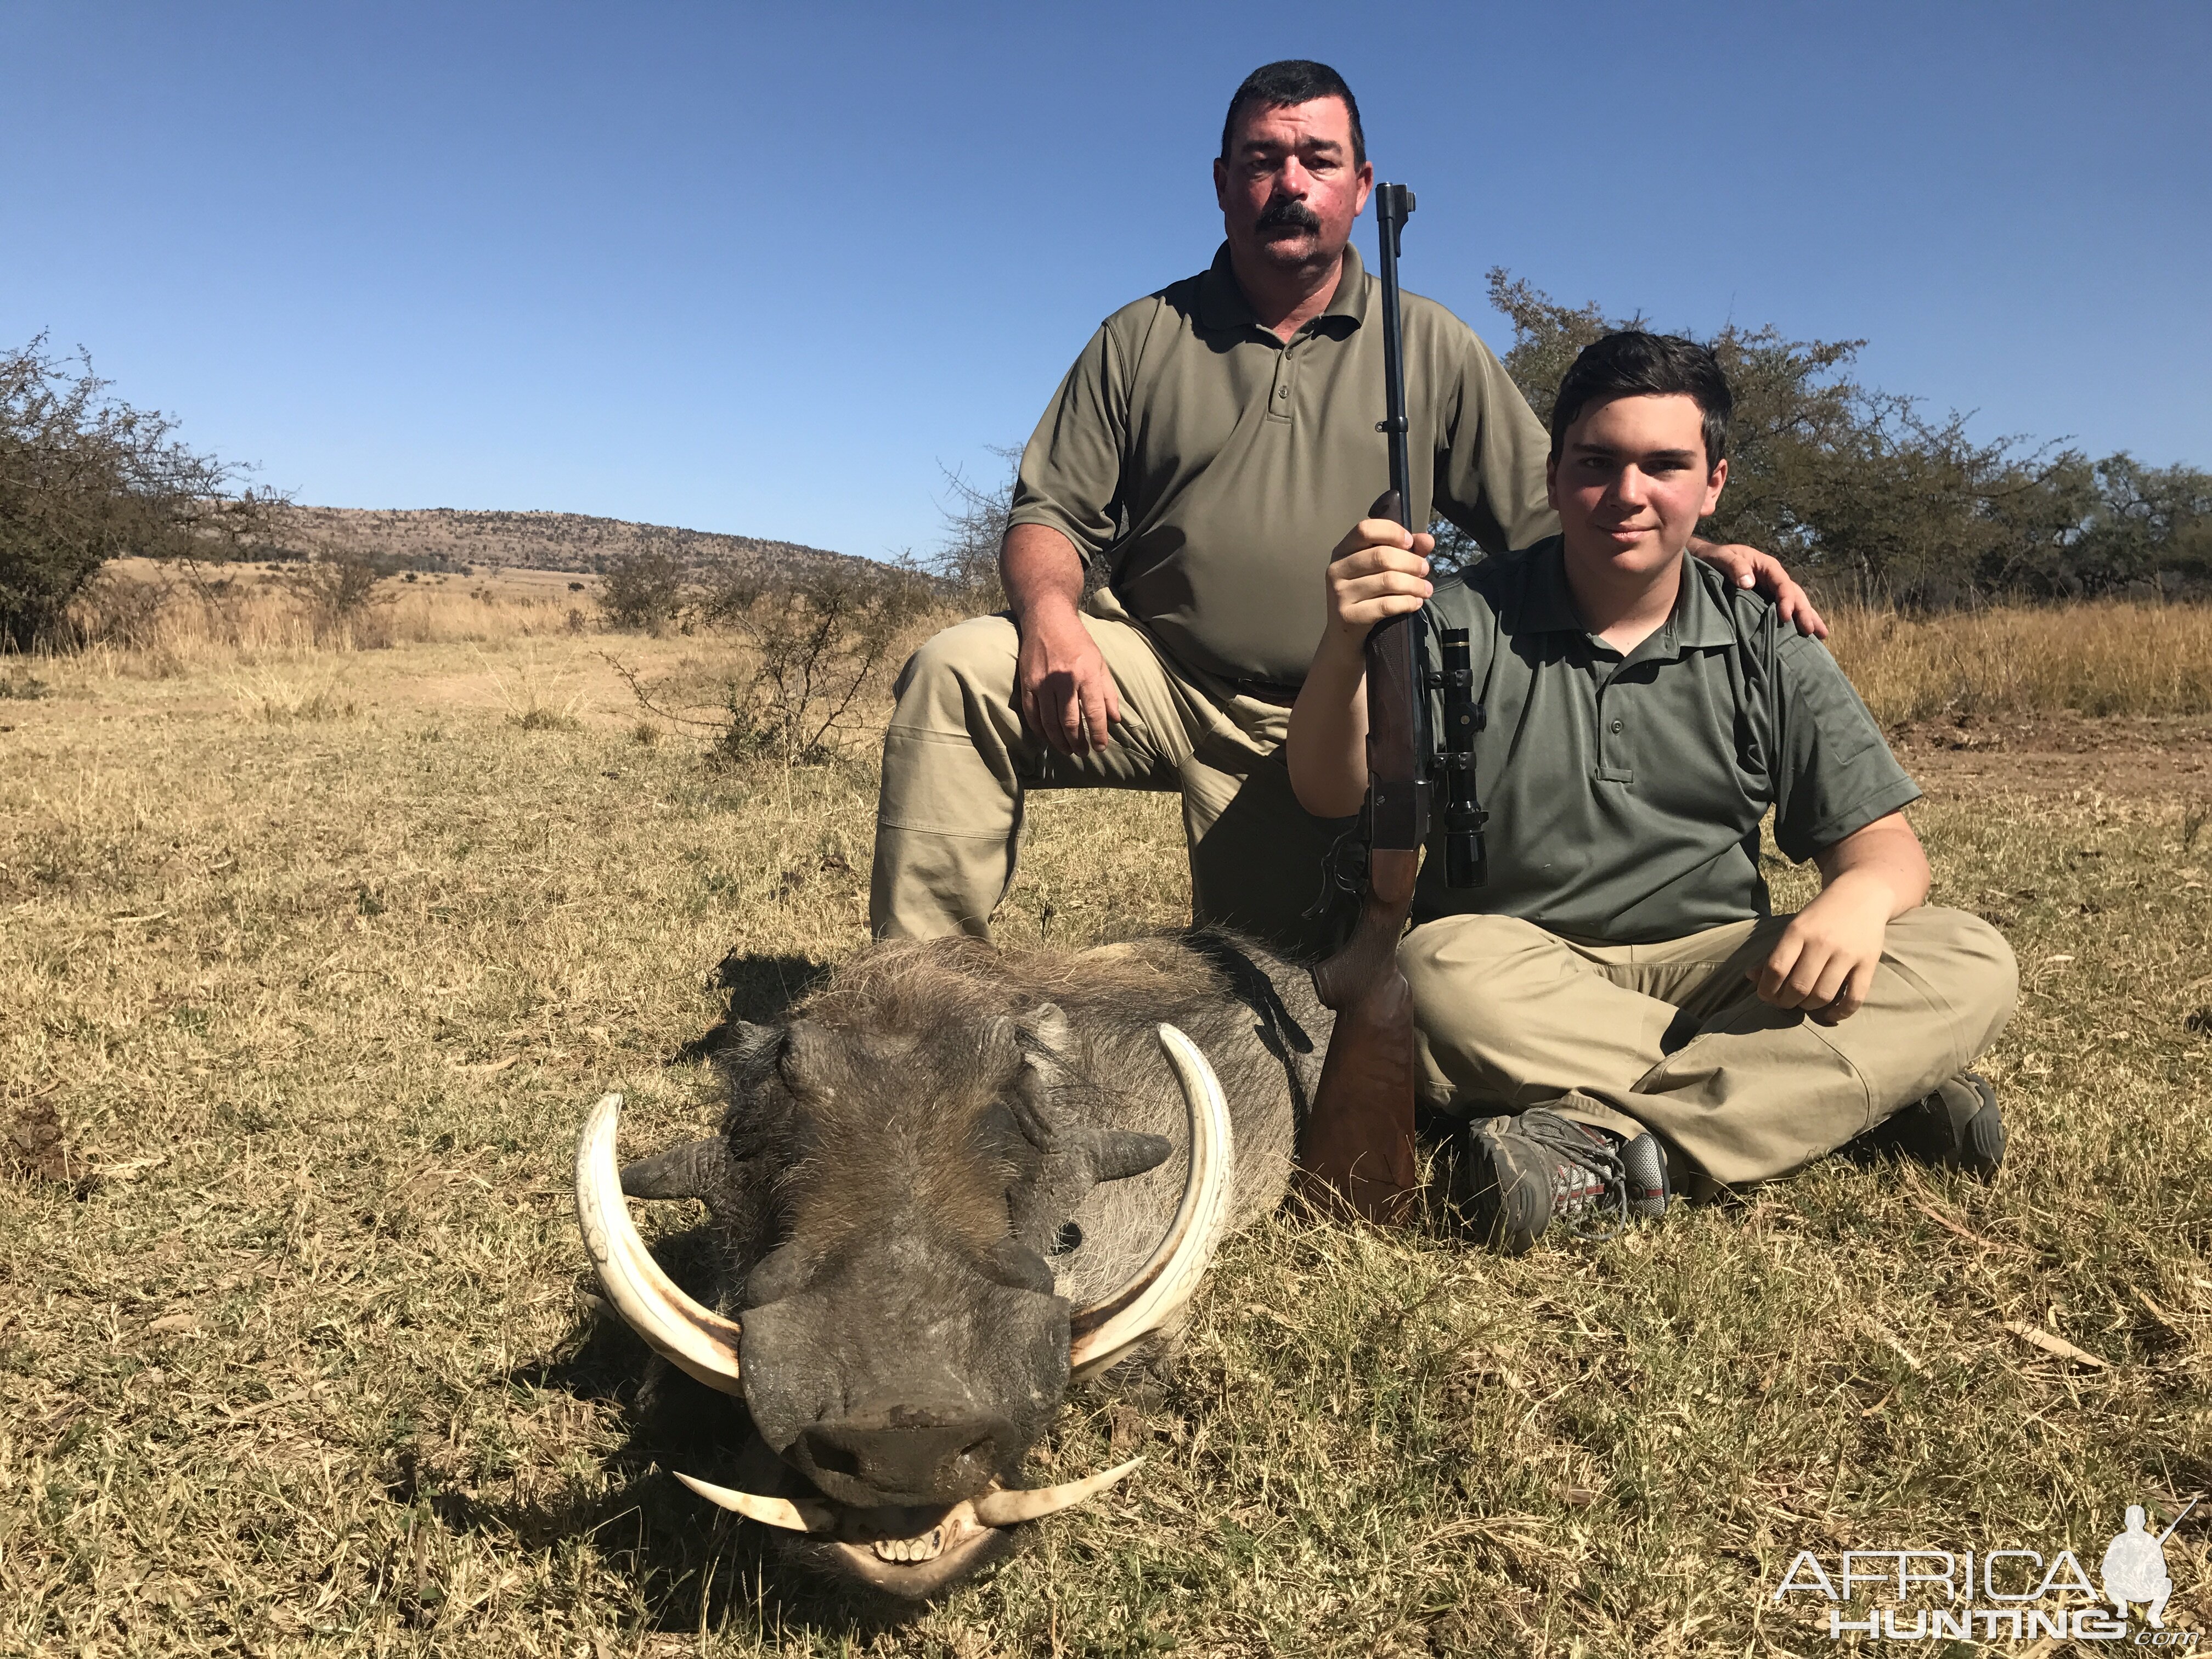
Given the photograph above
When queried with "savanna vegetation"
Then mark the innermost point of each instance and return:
(333, 893)
(319, 953)
(1870, 497)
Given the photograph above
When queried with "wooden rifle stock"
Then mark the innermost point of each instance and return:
(1358, 1147)
(1358, 1144)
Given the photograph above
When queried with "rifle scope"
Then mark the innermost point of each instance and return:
(1465, 864)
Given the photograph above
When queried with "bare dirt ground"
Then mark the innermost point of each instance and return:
(2058, 754)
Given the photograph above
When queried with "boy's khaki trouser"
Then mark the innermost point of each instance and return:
(1672, 1037)
(957, 763)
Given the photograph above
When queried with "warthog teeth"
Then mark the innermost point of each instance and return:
(926, 1547)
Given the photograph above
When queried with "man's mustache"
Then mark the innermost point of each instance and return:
(1285, 214)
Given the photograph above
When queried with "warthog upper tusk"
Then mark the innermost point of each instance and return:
(1101, 1333)
(692, 1337)
(1004, 1509)
(801, 1517)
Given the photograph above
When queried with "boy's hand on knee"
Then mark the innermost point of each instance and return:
(1825, 959)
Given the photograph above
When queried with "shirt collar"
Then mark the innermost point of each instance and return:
(1222, 304)
(1700, 616)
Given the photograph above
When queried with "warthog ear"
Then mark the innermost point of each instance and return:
(805, 1054)
(747, 1041)
(1045, 1028)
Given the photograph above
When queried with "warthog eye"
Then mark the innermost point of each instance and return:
(1069, 1237)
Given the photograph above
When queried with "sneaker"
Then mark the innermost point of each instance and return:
(1957, 1127)
(1521, 1174)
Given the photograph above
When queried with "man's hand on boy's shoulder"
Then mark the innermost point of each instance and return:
(1747, 567)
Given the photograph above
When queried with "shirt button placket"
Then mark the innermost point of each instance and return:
(1612, 766)
(1279, 400)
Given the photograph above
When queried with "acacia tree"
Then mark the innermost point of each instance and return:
(85, 478)
(1860, 488)
(966, 559)
(645, 590)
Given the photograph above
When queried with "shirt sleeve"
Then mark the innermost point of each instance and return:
(1490, 456)
(1070, 477)
(1833, 772)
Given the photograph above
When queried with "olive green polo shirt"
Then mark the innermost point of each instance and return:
(1625, 794)
(1212, 467)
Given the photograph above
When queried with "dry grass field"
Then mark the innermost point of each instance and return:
(314, 958)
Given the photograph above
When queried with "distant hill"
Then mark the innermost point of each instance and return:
(451, 539)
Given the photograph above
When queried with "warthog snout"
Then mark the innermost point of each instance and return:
(902, 1456)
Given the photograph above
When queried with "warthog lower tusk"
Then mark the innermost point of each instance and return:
(801, 1517)
(995, 1509)
(1101, 1333)
(690, 1336)
(1006, 1508)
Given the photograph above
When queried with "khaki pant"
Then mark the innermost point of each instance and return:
(1672, 1037)
(958, 764)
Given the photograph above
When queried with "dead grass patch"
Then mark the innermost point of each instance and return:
(305, 1370)
(2101, 658)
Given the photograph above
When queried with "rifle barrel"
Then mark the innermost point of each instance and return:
(1394, 204)
(1397, 702)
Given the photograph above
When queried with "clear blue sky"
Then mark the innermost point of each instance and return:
(763, 270)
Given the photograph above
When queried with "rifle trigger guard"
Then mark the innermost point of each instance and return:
(1343, 870)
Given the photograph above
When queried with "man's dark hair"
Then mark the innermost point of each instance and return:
(1294, 81)
(1634, 364)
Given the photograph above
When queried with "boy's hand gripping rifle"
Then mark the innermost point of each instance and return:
(1358, 1144)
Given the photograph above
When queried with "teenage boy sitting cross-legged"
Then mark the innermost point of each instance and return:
(1618, 1012)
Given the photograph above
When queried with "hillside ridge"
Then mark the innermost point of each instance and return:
(450, 538)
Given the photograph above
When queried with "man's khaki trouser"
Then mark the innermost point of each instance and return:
(1672, 1037)
(957, 763)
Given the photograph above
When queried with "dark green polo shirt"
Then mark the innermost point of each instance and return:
(1213, 467)
(1625, 795)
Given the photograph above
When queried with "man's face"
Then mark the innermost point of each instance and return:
(1630, 483)
(1289, 190)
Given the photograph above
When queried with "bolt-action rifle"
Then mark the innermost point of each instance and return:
(1358, 1143)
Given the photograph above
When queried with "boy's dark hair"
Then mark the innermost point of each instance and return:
(1634, 364)
(1294, 81)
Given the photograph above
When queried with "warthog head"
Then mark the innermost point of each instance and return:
(893, 1195)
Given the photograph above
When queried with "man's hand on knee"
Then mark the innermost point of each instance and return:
(1067, 693)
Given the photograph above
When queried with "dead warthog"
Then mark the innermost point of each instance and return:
(952, 1180)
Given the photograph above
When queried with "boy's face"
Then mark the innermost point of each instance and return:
(1630, 483)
